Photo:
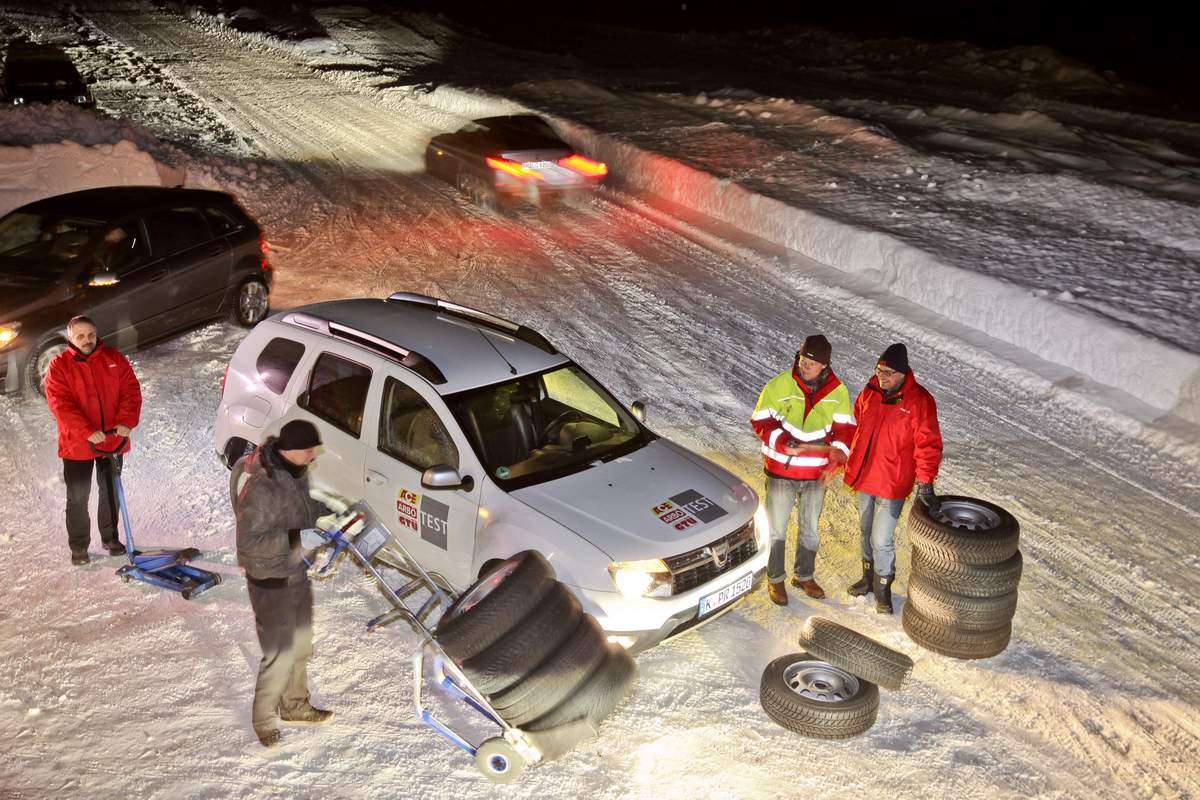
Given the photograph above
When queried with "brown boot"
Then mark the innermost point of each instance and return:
(810, 587)
(778, 592)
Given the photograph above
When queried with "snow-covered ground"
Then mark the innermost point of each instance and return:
(857, 203)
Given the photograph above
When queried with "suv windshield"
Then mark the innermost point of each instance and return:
(541, 427)
(46, 245)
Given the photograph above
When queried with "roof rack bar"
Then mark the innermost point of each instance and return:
(521, 332)
(410, 359)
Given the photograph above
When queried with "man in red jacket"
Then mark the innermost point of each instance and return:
(897, 441)
(91, 390)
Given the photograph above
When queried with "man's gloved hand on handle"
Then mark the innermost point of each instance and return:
(332, 500)
(335, 522)
(925, 495)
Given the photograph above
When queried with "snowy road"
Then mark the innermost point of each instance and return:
(1096, 696)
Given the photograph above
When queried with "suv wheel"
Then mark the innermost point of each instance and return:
(251, 303)
(39, 365)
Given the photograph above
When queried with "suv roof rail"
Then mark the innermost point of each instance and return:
(521, 332)
(401, 355)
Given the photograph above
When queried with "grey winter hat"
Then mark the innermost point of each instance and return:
(299, 434)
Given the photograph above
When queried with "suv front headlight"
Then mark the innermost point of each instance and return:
(648, 578)
(8, 334)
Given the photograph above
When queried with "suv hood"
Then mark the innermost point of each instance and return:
(630, 507)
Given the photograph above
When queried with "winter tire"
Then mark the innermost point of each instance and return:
(556, 677)
(968, 580)
(490, 607)
(954, 642)
(499, 761)
(527, 644)
(598, 696)
(813, 698)
(965, 531)
(251, 303)
(958, 611)
(39, 364)
(859, 655)
(477, 190)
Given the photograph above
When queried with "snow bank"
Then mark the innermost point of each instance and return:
(1162, 376)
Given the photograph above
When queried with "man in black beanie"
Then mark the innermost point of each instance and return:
(272, 508)
(896, 442)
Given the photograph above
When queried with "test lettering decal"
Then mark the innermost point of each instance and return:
(686, 509)
(424, 516)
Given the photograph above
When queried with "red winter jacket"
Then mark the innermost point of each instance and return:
(897, 440)
(91, 393)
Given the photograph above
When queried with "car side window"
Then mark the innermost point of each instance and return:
(277, 362)
(337, 392)
(220, 222)
(173, 230)
(410, 430)
(121, 249)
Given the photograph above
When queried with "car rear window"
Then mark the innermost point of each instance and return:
(337, 392)
(277, 362)
(175, 229)
(221, 222)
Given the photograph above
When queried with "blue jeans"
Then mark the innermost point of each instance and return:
(877, 518)
(781, 499)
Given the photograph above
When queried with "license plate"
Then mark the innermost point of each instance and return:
(733, 591)
(539, 165)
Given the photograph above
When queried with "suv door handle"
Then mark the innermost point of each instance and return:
(376, 477)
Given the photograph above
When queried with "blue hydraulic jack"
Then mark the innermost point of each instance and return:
(167, 569)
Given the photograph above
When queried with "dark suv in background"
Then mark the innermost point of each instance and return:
(38, 73)
(143, 261)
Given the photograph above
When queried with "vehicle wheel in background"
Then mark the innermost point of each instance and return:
(237, 477)
(968, 580)
(251, 303)
(493, 605)
(859, 655)
(527, 644)
(813, 698)
(954, 642)
(477, 190)
(965, 531)
(39, 364)
(959, 611)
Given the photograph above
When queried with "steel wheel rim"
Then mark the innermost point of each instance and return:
(819, 681)
(968, 516)
(43, 361)
(483, 589)
(252, 301)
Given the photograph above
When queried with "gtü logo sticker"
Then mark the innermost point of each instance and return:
(424, 516)
(686, 509)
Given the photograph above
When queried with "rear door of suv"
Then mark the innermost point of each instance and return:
(196, 260)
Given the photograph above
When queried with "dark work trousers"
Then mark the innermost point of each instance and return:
(283, 610)
(78, 475)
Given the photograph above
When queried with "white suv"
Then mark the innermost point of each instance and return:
(473, 439)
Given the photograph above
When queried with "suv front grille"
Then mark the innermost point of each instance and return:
(699, 566)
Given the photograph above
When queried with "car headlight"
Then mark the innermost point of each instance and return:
(18, 101)
(8, 334)
(81, 99)
(762, 529)
(649, 578)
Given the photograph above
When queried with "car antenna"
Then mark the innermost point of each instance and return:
(511, 368)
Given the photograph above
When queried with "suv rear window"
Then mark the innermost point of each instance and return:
(337, 392)
(277, 362)
(175, 229)
(221, 222)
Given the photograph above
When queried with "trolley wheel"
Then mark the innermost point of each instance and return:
(186, 594)
(126, 579)
(499, 761)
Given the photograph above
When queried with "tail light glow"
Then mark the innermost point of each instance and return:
(224, 378)
(515, 169)
(584, 166)
(265, 249)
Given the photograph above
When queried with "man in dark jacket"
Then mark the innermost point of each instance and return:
(897, 440)
(272, 508)
(91, 390)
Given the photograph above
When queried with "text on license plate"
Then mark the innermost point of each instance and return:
(727, 595)
(539, 165)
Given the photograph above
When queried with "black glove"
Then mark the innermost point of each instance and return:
(925, 495)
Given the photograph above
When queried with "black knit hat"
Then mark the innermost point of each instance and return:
(817, 348)
(895, 357)
(298, 434)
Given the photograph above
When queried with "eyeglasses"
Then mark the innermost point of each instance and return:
(884, 372)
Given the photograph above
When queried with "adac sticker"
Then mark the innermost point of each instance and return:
(686, 509)
(424, 516)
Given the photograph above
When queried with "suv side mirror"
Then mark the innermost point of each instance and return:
(443, 476)
(104, 278)
(638, 407)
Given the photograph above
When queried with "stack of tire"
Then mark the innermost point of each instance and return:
(831, 689)
(965, 569)
(521, 638)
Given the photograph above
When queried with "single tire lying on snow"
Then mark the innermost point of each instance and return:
(968, 580)
(492, 605)
(954, 642)
(813, 698)
(965, 531)
(959, 611)
(859, 655)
